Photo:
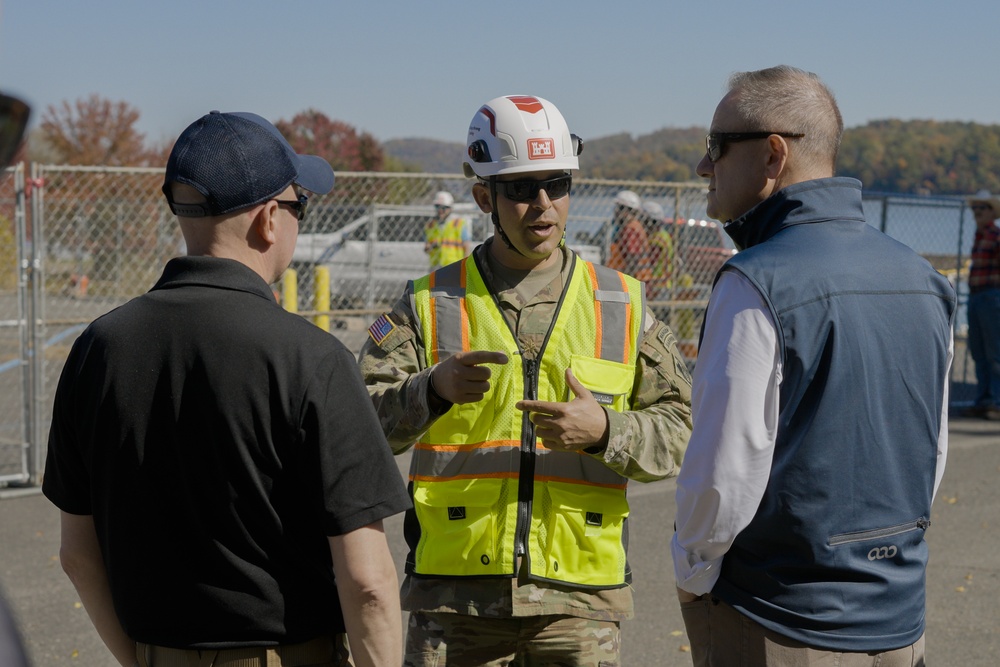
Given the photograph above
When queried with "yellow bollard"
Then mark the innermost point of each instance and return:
(290, 290)
(322, 297)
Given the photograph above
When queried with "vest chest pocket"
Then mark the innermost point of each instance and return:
(458, 527)
(582, 527)
(609, 381)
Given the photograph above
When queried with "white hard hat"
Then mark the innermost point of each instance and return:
(653, 210)
(629, 199)
(519, 133)
(444, 198)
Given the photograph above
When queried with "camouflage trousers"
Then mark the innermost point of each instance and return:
(457, 640)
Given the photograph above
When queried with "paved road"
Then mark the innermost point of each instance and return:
(963, 618)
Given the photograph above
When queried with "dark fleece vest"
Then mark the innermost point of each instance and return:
(835, 556)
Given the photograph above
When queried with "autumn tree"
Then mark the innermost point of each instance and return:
(313, 132)
(95, 131)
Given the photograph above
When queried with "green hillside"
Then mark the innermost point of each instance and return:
(917, 156)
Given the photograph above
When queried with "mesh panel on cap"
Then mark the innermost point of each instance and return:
(250, 166)
(268, 171)
(234, 161)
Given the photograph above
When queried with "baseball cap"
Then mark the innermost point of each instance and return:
(238, 160)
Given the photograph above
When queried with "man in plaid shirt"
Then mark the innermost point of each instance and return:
(984, 306)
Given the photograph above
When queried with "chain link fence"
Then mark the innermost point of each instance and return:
(80, 241)
(941, 229)
(357, 249)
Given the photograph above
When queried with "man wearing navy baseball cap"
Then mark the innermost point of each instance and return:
(216, 459)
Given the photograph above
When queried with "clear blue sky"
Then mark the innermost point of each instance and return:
(421, 69)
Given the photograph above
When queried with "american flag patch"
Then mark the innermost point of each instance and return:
(381, 328)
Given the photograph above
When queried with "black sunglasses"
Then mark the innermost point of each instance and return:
(980, 207)
(299, 206)
(527, 189)
(13, 121)
(715, 143)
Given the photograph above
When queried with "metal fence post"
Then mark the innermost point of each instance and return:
(36, 325)
(23, 310)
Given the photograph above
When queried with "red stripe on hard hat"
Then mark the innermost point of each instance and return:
(526, 103)
(488, 112)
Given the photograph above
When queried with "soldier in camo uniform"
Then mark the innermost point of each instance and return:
(532, 386)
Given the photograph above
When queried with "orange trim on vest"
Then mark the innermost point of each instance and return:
(626, 352)
(465, 313)
(477, 445)
(598, 322)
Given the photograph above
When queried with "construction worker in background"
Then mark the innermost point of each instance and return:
(447, 238)
(661, 250)
(532, 386)
(629, 250)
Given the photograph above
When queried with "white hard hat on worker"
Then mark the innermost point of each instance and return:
(628, 199)
(444, 199)
(520, 149)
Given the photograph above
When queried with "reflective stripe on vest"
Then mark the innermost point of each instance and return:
(465, 469)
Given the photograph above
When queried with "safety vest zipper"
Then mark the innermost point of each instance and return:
(526, 474)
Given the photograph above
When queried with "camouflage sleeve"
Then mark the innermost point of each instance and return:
(648, 443)
(392, 365)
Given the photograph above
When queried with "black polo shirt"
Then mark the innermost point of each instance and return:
(218, 440)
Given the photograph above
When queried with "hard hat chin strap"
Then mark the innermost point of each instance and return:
(496, 217)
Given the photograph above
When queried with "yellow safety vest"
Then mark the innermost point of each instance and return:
(444, 241)
(485, 490)
(663, 253)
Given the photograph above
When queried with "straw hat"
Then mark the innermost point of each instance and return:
(985, 197)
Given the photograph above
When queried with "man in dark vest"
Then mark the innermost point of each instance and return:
(819, 400)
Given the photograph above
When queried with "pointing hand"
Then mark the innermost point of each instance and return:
(576, 424)
(462, 379)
